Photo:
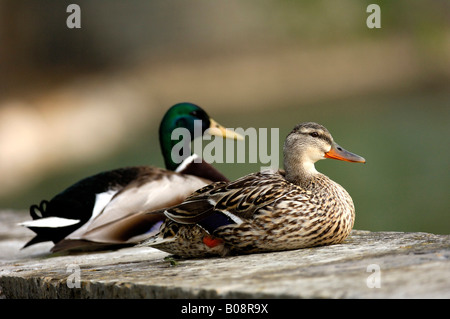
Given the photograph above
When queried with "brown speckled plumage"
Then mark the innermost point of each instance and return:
(266, 211)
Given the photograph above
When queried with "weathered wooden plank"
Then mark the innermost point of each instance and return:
(366, 265)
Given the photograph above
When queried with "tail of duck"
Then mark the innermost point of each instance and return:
(47, 228)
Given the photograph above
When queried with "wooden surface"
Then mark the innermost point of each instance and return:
(366, 265)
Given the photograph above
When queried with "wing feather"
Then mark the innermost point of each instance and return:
(237, 201)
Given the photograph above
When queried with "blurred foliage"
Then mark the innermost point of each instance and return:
(120, 31)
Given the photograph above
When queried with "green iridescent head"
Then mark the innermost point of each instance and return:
(195, 120)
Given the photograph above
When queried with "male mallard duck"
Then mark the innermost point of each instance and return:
(105, 209)
(266, 211)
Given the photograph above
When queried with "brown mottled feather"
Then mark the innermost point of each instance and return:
(262, 200)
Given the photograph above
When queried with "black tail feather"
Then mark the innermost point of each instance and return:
(36, 239)
(42, 208)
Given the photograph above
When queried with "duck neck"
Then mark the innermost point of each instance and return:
(167, 146)
(301, 173)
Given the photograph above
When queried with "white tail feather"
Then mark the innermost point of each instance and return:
(50, 222)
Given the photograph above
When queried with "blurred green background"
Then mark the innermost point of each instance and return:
(74, 102)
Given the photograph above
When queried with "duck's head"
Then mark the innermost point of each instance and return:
(193, 118)
(306, 144)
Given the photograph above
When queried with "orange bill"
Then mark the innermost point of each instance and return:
(341, 154)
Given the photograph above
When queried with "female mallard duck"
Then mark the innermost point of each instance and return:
(105, 209)
(266, 211)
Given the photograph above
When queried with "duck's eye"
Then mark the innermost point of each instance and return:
(194, 113)
(314, 134)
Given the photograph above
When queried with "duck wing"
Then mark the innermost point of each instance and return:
(222, 203)
(134, 210)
